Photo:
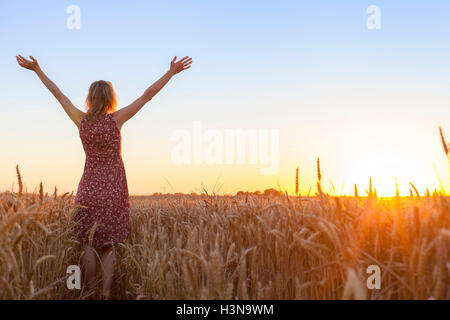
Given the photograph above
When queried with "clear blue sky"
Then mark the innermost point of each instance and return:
(362, 100)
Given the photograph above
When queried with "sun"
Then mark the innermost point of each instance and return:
(385, 167)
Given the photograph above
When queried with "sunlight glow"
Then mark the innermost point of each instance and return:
(384, 166)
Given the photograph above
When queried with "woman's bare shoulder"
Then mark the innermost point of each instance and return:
(116, 118)
(78, 118)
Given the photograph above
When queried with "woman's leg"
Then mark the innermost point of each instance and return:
(108, 258)
(89, 265)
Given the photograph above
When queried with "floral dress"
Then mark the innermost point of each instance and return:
(103, 190)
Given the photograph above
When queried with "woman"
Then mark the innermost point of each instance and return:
(104, 208)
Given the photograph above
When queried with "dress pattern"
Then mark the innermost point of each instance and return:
(103, 189)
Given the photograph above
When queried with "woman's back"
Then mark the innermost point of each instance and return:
(100, 137)
(103, 187)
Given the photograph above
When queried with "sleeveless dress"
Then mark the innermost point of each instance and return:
(103, 189)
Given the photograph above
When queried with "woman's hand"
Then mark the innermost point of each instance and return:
(75, 114)
(28, 64)
(178, 66)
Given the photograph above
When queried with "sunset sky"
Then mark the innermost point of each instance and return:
(367, 102)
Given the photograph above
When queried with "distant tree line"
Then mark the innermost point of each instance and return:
(268, 192)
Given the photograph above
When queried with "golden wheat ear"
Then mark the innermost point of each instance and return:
(19, 181)
(445, 145)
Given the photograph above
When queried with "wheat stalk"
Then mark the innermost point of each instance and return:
(19, 181)
(41, 193)
(444, 142)
(237, 248)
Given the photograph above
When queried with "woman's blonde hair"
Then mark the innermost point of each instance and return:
(101, 99)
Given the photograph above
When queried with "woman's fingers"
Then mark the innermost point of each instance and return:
(182, 64)
(24, 63)
(186, 65)
(182, 60)
(185, 62)
(23, 60)
(20, 61)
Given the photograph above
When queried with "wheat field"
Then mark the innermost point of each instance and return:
(237, 247)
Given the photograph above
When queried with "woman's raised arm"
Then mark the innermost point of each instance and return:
(75, 114)
(124, 114)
